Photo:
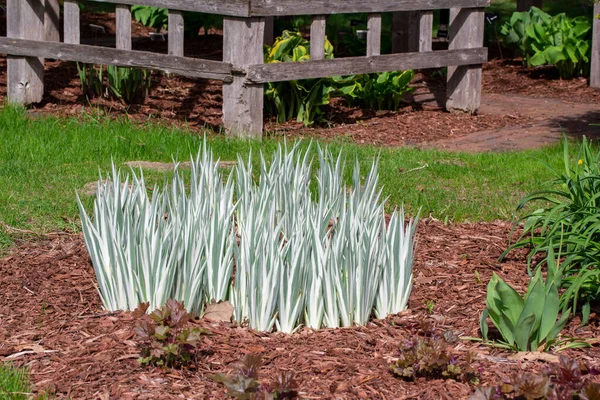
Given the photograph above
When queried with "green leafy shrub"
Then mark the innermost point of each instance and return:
(382, 91)
(244, 384)
(296, 99)
(153, 17)
(565, 380)
(554, 40)
(525, 323)
(304, 99)
(167, 338)
(158, 19)
(568, 226)
(328, 259)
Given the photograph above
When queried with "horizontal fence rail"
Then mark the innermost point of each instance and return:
(363, 65)
(32, 36)
(268, 8)
(185, 66)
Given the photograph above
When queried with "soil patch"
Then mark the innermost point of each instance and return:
(50, 301)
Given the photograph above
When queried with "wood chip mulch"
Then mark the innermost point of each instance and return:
(51, 320)
(510, 77)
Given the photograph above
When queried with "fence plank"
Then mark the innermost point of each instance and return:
(123, 27)
(71, 22)
(269, 31)
(242, 101)
(363, 65)
(236, 8)
(373, 35)
(425, 35)
(125, 58)
(595, 61)
(317, 7)
(464, 82)
(52, 21)
(412, 31)
(317, 37)
(176, 27)
(25, 81)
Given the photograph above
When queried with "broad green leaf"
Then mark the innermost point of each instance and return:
(523, 332)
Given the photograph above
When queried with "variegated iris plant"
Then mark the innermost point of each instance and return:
(322, 260)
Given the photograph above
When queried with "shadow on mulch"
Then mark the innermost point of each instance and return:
(49, 300)
(587, 124)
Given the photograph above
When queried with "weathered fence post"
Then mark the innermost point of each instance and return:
(176, 33)
(52, 21)
(25, 20)
(373, 35)
(412, 31)
(317, 37)
(243, 103)
(595, 61)
(71, 22)
(464, 82)
(123, 22)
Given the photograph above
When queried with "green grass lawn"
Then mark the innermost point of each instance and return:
(44, 160)
(14, 383)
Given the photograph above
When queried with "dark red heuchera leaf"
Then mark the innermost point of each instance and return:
(178, 314)
(286, 386)
(530, 386)
(141, 310)
(144, 329)
(567, 373)
(166, 340)
(250, 365)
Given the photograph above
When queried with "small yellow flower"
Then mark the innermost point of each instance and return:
(579, 162)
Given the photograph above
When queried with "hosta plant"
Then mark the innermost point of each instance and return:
(304, 99)
(382, 91)
(153, 17)
(167, 338)
(555, 40)
(526, 323)
(296, 99)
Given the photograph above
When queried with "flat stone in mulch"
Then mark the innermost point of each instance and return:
(50, 310)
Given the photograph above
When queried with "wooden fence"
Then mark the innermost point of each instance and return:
(32, 37)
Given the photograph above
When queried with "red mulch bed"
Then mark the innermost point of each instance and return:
(510, 77)
(50, 305)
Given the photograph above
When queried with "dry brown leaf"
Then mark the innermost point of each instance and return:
(534, 356)
(219, 312)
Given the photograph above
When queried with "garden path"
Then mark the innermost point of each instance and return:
(550, 119)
